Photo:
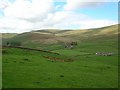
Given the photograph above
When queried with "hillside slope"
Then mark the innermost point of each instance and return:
(45, 38)
(77, 67)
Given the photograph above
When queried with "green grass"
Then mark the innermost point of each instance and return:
(0, 68)
(70, 52)
(38, 72)
(30, 69)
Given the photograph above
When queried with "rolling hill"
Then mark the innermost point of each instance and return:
(33, 68)
(45, 38)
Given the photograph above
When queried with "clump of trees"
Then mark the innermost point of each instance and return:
(71, 45)
(13, 43)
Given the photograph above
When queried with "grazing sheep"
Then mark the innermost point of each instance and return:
(104, 54)
(99, 53)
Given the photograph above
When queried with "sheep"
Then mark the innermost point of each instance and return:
(104, 54)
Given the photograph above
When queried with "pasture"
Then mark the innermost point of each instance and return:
(29, 69)
(77, 67)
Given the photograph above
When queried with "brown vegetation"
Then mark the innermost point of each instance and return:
(54, 59)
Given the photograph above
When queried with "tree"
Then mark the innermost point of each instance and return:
(14, 43)
(70, 45)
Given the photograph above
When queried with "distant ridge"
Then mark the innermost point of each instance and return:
(60, 37)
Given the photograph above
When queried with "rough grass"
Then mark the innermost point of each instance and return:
(29, 69)
(36, 38)
(0, 67)
(8, 35)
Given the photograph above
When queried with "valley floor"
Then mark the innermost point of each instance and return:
(30, 69)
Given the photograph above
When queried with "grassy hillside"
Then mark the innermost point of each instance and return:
(36, 39)
(93, 34)
(8, 35)
(36, 69)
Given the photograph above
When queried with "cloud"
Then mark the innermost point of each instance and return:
(23, 15)
(65, 19)
(71, 20)
(78, 4)
(24, 9)
(14, 25)
(4, 4)
(96, 23)
(61, 20)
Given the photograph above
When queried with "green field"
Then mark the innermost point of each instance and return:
(22, 68)
(31, 69)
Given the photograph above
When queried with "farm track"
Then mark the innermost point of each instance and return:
(29, 49)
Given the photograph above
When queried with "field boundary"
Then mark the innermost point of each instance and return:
(20, 47)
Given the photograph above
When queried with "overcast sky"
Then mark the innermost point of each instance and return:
(17, 16)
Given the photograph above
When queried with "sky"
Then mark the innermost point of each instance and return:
(18, 16)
